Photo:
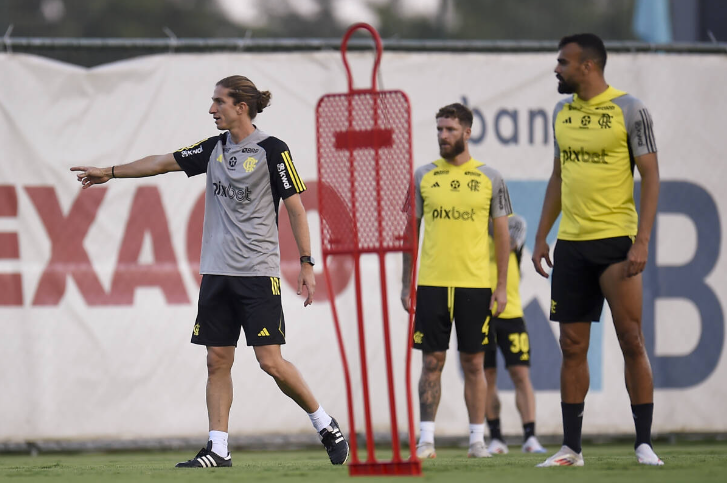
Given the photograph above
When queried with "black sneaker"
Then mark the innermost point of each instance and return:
(335, 443)
(206, 458)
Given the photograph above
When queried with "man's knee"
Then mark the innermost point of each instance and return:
(574, 348)
(491, 376)
(520, 375)
(271, 363)
(220, 359)
(433, 363)
(472, 364)
(631, 341)
(270, 367)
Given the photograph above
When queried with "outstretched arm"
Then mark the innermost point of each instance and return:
(141, 168)
(301, 232)
(551, 210)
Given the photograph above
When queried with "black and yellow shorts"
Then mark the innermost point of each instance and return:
(511, 336)
(576, 294)
(228, 304)
(438, 307)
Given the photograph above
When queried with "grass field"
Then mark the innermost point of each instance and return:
(684, 462)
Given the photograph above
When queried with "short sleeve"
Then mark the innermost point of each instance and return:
(193, 159)
(500, 204)
(640, 129)
(283, 175)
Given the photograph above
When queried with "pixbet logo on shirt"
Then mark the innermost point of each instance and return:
(582, 156)
(453, 214)
(229, 191)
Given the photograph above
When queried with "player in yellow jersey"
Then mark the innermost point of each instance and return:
(510, 334)
(600, 135)
(456, 196)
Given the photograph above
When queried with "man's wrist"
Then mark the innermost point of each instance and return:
(641, 241)
(307, 259)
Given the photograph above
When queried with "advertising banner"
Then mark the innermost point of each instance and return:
(98, 287)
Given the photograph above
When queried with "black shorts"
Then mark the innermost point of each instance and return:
(512, 338)
(227, 304)
(576, 294)
(437, 307)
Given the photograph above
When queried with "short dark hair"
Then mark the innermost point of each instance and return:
(592, 47)
(456, 111)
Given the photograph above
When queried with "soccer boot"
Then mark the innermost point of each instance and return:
(206, 458)
(646, 456)
(532, 445)
(478, 450)
(497, 447)
(334, 442)
(564, 457)
(426, 450)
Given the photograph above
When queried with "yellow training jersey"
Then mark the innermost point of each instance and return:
(456, 203)
(517, 228)
(596, 142)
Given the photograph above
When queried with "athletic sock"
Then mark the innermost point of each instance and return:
(477, 433)
(319, 418)
(528, 430)
(494, 425)
(426, 432)
(219, 443)
(643, 414)
(572, 425)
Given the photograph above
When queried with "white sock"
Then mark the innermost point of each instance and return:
(426, 432)
(319, 418)
(219, 443)
(477, 433)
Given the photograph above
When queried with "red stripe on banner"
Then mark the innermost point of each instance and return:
(11, 289)
(8, 201)
(9, 246)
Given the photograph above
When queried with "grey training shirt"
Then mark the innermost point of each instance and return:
(245, 183)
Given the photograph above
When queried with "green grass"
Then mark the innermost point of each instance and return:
(685, 462)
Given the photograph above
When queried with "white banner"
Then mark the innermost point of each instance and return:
(98, 289)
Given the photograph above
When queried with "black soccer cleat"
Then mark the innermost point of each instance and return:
(335, 443)
(206, 458)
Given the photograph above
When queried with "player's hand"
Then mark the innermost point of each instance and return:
(540, 251)
(89, 176)
(307, 278)
(498, 302)
(405, 298)
(636, 259)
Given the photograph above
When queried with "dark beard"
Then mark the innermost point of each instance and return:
(565, 88)
(454, 151)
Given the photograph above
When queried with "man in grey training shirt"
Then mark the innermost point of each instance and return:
(248, 173)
